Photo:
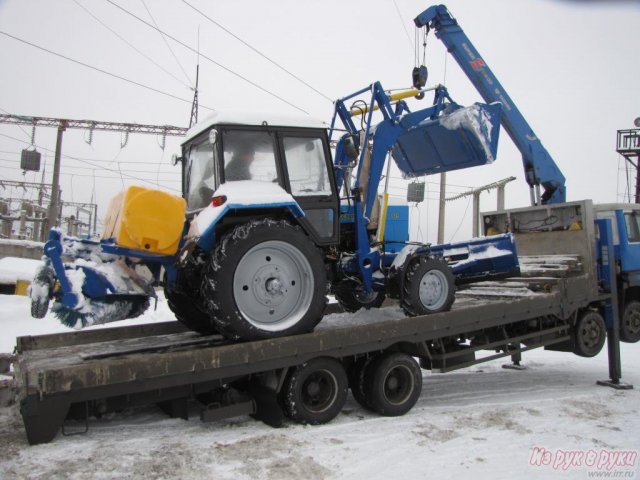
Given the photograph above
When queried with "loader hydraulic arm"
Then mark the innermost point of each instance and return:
(539, 167)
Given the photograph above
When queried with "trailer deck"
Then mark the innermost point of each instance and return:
(61, 374)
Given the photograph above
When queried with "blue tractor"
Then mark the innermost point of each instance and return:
(277, 212)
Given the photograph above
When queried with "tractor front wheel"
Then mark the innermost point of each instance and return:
(429, 287)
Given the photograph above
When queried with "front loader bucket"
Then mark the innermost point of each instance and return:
(466, 137)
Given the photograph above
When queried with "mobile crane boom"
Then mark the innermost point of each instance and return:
(540, 169)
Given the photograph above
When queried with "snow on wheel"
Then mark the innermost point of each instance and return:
(589, 334)
(40, 291)
(265, 279)
(393, 383)
(316, 391)
(630, 324)
(352, 298)
(428, 287)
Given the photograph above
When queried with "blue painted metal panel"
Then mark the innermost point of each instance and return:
(396, 231)
(207, 238)
(443, 144)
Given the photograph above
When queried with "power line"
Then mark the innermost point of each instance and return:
(13, 160)
(98, 167)
(273, 62)
(165, 41)
(209, 59)
(78, 62)
(99, 160)
(131, 45)
(104, 177)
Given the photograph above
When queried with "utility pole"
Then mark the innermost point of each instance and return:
(52, 217)
(500, 184)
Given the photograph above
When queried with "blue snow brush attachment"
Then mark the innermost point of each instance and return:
(96, 312)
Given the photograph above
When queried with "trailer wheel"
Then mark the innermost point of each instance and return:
(265, 279)
(428, 287)
(188, 313)
(316, 391)
(357, 375)
(393, 383)
(589, 334)
(351, 297)
(630, 325)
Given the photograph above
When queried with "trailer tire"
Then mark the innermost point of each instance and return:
(393, 383)
(265, 279)
(589, 334)
(429, 287)
(351, 299)
(315, 392)
(630, 324)
(357, 378)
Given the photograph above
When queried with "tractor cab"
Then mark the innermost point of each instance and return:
(250, 153)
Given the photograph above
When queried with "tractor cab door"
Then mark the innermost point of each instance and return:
(309, 177)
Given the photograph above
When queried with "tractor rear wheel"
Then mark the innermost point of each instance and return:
(188, 313)
(429, 287)
(265, 279)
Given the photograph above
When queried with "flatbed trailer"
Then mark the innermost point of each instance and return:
(81, 374)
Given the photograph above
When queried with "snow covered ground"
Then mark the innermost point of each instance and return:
(481, 422)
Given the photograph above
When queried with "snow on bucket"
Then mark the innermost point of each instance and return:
(462, 138)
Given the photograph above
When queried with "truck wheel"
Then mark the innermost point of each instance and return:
(188, 313)
(630, 325)
(589, 334)
(316, 391)
(428, 287)
(393, 383)
(265, 279)
(351, 297)
(356, 381)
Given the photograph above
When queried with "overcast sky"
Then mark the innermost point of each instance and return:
(572, 67)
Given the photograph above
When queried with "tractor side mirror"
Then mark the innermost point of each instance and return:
(213, 136)
(175, 159)
(350, 148)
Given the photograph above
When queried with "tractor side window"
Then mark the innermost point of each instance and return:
(249, 156)
(633, 227)
(201, 175)
(306, 166)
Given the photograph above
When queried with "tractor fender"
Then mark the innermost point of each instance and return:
(237, 196)
(405, 258)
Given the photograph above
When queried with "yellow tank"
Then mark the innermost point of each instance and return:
(145, 219)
